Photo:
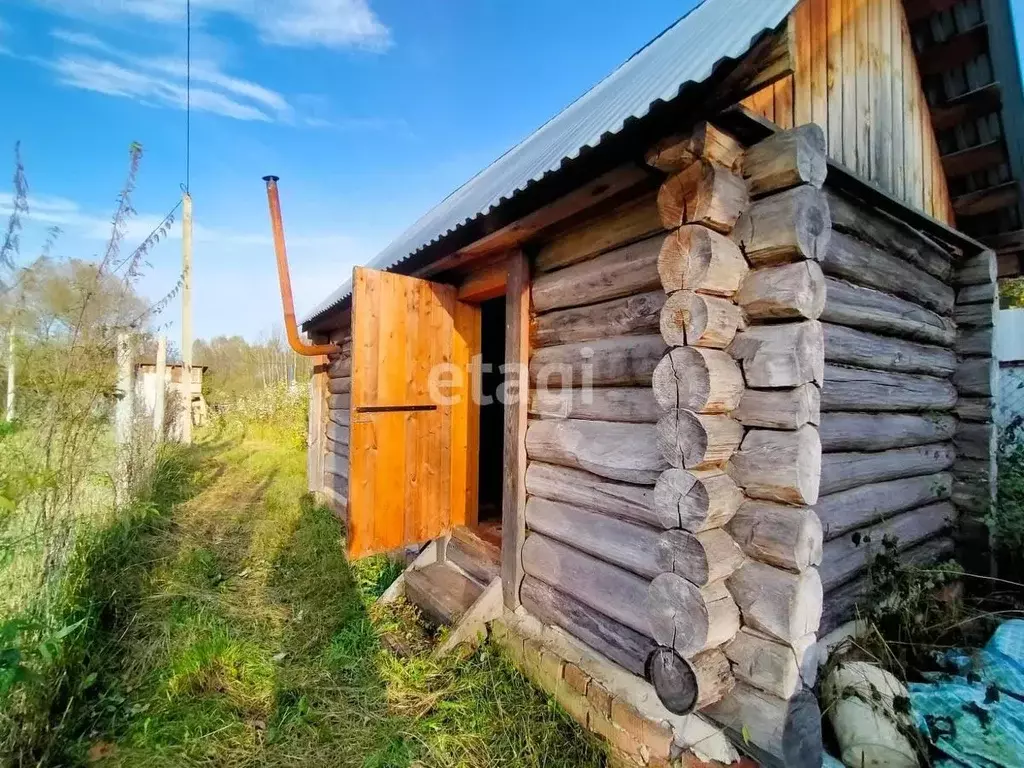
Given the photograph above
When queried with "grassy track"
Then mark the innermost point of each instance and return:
(251, 644)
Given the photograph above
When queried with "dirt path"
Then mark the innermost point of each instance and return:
(251, 645)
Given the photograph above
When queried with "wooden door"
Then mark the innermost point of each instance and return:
(406, 486)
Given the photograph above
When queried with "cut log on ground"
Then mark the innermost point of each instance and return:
(696, 501)
(871, 310)
(786, 159)
(785, 355)
(627, 545)
(777, 534)
(842, 471)
(623, 645)
(686, 686)
(699, 320)
(701, 380)
(606, 588)
(879, 432)
(689, 619)
(851, 259)
(632, 404)
(779, 408)
(619, 361)
(631, 221)
(627, 452)
(699, 558)
(766, 663)
(789, 226)
(629, 316)
(789, 291)
(847, 555)
(867, 350)
(706, 142)
(783, 604)
(622, 272)
(858, 389)
(779, 466)
(702, 193)
(695, 440)
(697, 258)
(634, 503)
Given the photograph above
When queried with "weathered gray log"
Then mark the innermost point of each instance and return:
(964, 468)
(689, 619)
(976, 377)
(775, 667)
(786, 159)
(878, 432)
(341, 416)
(848, 510)
(606, 588)
(627, 452)
(784, 355)
(846, 556)
(696, 440)
(789, 291)
(700, 558)
(618, 361)
(888, 234)
(976, 270)
(777, 534)
(696, 501)
(975, 495)
(857, 389)
(860, 263)
(701, 380)
(697, 258)
(842, 601)
(336, 465)
(867, 350)
(704, 142)
(685, 686)
(978, 294)
(337, 482)
(789, 226)
(623, 645)
(976, 315)
(975, 441)
(627, 545)
(842, 471)
(779, 408)
(622, 272)
(621, 500)
(779, 466)
(339, 402)
(699, 320)
(781, 603)
(975, 408)
(702, 193)
(975, 342)
(628, 316)
(337, 388)
(337, 433)
(780, 732)
(340, 367)
(872, 310)
(632, 404)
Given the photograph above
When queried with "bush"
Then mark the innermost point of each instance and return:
(278, 411)
(1006, 519)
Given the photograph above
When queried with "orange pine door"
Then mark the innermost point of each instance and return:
(401, 487)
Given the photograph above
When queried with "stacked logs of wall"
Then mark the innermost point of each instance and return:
(336, 426)
(888, 421)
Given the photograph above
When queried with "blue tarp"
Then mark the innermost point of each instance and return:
(974, 712)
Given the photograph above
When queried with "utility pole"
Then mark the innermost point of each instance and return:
(10, 373)
(124, 414)
(160, 388)
(186, 315)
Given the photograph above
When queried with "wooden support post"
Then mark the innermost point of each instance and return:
(186, 315)
(11, 364)
(160, 387)
(124, 414)
(517, 358)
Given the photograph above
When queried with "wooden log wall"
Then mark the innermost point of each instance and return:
(889, 421)
(336, 405)
(673, 446)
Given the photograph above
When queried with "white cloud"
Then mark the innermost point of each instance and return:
(292, 23)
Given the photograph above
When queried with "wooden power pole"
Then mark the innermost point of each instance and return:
(160, 389)
(11, 362)
(186, 315)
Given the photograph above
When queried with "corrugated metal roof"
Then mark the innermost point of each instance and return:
(687, 52)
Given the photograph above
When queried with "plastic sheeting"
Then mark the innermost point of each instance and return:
(974, 713)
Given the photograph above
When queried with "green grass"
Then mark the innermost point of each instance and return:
(235, 633)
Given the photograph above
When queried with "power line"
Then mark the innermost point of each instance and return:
(188, 94)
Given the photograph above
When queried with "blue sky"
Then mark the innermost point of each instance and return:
(371, 111)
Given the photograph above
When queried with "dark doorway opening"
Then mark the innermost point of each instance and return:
(492, 415)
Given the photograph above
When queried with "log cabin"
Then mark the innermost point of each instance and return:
(647, 393)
